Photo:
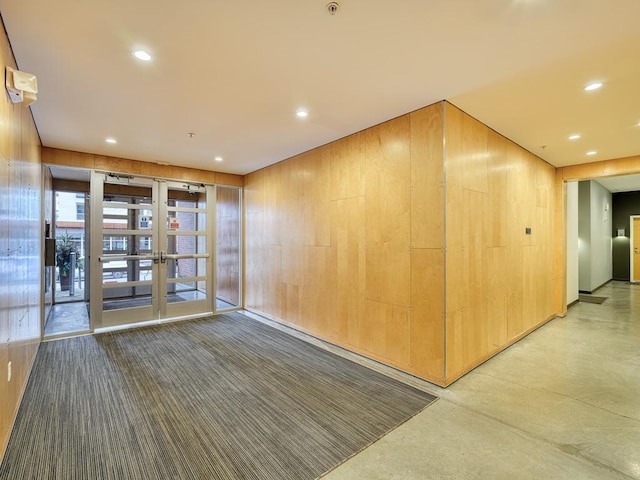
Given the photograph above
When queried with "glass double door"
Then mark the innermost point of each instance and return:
(154, 243)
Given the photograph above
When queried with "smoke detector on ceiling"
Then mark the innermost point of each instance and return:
(333, 7)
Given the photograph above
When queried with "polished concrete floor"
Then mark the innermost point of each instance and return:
(563, 403)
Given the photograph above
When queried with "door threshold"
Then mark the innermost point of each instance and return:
(151, 322)
(63, 335)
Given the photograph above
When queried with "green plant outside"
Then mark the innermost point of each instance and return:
(64, 247)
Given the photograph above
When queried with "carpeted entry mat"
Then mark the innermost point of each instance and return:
(591, 299)
(224, 397)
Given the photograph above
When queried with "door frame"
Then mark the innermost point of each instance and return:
(160, 233)
(631, 252)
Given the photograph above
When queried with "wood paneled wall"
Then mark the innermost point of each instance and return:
(500, 281)
(20, 249)
(605, 168)
(67, 158)
(347, 242)
(228, 251)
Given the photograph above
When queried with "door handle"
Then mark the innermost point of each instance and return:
(159, 257)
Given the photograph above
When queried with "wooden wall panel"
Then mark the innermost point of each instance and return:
(20, 243)
(500, 282)
(606, 168)
(228, 251)
(427, 313)
(388, 211)
(349, 259)
(475, 154)
(67, 158)
(347, 167)
(255, 211)
(376, 283)
(427, 243)
(318, 290)
(343, 216)
(278, 208)
(497, 190)
(316, 197)
(387, 335)
(427, 178)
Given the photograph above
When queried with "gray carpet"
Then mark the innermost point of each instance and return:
(224, 397)
(592, 299)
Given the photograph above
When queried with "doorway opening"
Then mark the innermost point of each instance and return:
(162, 250)
(600, 230)
(155, 243)
(634, 252)
(67, 278)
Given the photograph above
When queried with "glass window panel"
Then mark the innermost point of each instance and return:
(114, 244)
(145, 244)
(187, 221)
(114, 224)
(182, 268)
(113, 298)
(186, 244)
(201, 244)
(120, 271)
(185, 286)
(80, 211)
(189, 291)
(184, 203)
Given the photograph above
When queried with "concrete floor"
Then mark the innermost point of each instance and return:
(563, 403)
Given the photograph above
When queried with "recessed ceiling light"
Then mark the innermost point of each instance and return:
(302, 113)
(593, 86)
(142, 55)
(592, 152)
(218, 159)
(110, 140)
(574, 137)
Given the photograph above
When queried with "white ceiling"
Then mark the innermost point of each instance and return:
(624, 183)
(235, 72)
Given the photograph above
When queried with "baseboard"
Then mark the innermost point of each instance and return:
(605, 283)
(591, 292)
(370, 361)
